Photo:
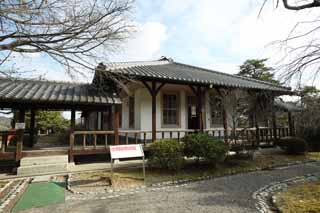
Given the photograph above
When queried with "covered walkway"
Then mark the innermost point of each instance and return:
(26, 95)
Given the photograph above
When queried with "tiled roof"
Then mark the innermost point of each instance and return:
(287, 106)
(167, 69)
(32, 91)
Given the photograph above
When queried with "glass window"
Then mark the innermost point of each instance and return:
(170, 110)
(216, 111)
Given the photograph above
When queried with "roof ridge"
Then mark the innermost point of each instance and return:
(127, 64)
(43, 80)
(232, 75)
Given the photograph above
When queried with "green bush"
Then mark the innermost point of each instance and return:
(293, 145)
(166, 154)
(203, 146)
(312, 136)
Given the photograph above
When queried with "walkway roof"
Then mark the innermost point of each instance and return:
(50, 94)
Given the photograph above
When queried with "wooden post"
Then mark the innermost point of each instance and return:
(20, 134)
(256, 123)
(154, 111)
(274, 126)
(290, 124)
(4, 142)
(73, 119)
(153, 90)
(32, 128)
(116, 124)
(199, 107)
(71, 141)
(225, 125)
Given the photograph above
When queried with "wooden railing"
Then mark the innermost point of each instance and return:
(93, 142)
(100, 139)
(249, 135)
(95, 139)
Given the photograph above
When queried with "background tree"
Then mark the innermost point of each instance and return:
(308, 121)
(257, 69)
(74, 33)
(52, 120)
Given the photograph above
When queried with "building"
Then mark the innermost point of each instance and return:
(139, 102)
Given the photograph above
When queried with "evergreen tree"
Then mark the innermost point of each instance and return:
(257, 69)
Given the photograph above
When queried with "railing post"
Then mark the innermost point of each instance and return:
(225, 125)
(71, 145)
(290, 124)
(71, 140)
(136, 138)
(20, 134)
(4, 142)
(144, 138)
(116, 124)
(95, 141)
(127, 138)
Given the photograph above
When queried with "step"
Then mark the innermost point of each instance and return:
(42, 169)
(44, 160)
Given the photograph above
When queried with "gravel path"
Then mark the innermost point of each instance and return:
(225, 194)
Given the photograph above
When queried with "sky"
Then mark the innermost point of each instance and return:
(214, 34)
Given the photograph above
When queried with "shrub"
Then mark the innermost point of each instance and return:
(293, 145)
(312, 136)
(194, 145)
(203, 146)
(166, 154)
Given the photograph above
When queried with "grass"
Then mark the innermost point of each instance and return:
(41, 194)
(193, 170)
(302, 198)
(313, 155)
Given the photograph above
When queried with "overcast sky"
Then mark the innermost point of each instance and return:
(214, 34)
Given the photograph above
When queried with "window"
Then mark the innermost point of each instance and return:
(216, 111)
(131, 112)
(170, 109)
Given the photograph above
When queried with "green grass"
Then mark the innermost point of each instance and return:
(41, 194)
(302, 198)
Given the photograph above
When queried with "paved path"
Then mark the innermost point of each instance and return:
(226, 194)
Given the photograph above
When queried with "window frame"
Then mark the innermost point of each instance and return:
(178, 122)
(221, 111)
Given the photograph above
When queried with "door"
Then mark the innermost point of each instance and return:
(193, 122)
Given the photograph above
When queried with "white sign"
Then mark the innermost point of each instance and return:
(126, 151)
(20, 126)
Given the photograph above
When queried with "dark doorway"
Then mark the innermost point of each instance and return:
(192, 113)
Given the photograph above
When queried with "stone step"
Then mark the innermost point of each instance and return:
(44, 160)
(42, 169)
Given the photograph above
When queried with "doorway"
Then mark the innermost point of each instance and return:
(193, 120)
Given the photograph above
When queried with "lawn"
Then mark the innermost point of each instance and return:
(194, 170)
(302, 198)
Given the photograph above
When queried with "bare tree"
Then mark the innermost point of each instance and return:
(238, 104)
(301, 47)
(74, 33)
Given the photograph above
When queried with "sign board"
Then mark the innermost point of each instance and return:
(126, 151)
(20, 126)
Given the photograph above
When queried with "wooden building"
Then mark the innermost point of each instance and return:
(140, 102)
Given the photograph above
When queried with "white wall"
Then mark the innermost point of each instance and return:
(143, 108)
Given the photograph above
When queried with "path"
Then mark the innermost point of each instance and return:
(226, 194)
